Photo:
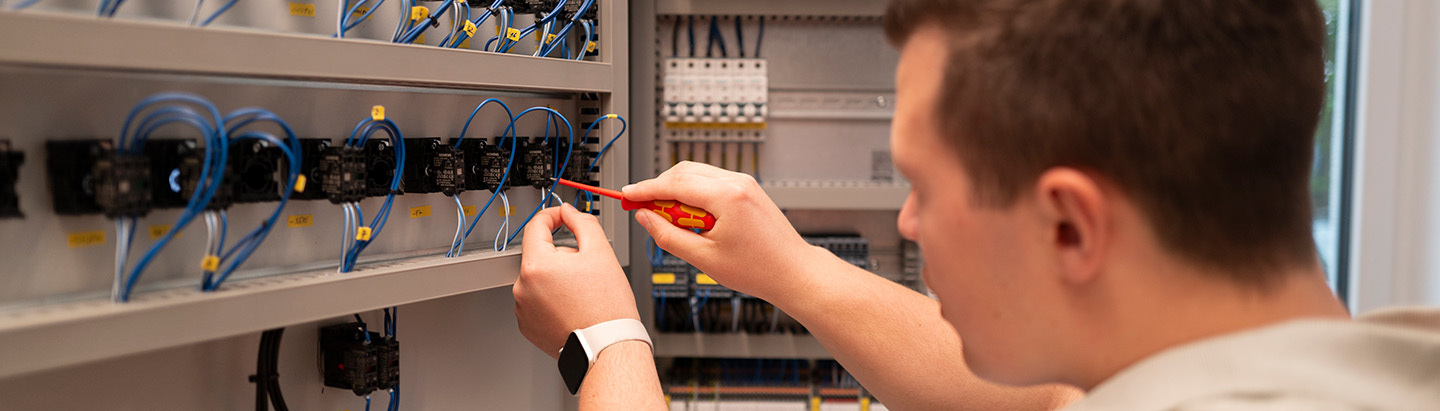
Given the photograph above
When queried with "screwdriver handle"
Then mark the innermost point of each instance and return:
(681, 215)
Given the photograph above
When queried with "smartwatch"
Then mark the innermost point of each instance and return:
(585, 344)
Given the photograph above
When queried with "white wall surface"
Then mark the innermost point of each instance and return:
(1396, 241)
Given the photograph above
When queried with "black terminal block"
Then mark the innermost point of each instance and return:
(349, 361)
(380, 167)
(447, 170)
(518, 178)
(122, 184)
(190, 173)
(10, 161)
(312, 153)
(167, 158)
(387, 361)
(485, 165)
(538, 163)
(573, 6)
(69, 164)
(254, 172)
(535, 7)
(342, 174)
(470, 152)
(418, 155)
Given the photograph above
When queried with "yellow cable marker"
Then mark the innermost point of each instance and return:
(362, 234)
(377, 113)
(419, 12)
(550, 38)
(470, 28)
(590, 47)
(513, 34)
(705, 279)
(300, 183)
(662, 278)
(210, 263)
(609, 116)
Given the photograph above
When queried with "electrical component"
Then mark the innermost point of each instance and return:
(343, 174)
(517, 169)
(380, 167)
(254, 171)
(10, 161)
(70, 164)
(350, 359)
(122, 184)
(731, 93)
(224, 195)
(312, 156)
(420, 152)
(169, 160)
(447, 170)
(537, 163)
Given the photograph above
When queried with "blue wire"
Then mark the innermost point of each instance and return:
(483, 17)
(364, 330)
(378, 224)
(558, 171)
(537, 24)
(367, 399)
(217, 14)
(258, 235)
(550, 47)
(24, 4)
(596, 161)
(420, 27)
(510, 130)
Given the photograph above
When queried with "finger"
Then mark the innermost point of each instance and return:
(691, 167)
(537, 233)
(586, 227)
(681, 242)
(693, 189)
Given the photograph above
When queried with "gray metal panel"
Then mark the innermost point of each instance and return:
(60, 335)
(166, 47)
(871, 8)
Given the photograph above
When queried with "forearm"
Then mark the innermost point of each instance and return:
(896, 344)
(622, 378)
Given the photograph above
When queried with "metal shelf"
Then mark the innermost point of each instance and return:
(738, 346)
(85, 42)
(53, 336)
(848, 8)
(836, 196)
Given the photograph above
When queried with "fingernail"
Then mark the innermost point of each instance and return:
(568, 206)
(643, 219)
(626, 188)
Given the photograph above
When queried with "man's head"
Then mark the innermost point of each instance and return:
(1053, 142)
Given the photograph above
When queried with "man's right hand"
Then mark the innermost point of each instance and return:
(752, 249)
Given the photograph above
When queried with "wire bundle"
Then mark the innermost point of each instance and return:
(457, 246)
(595, 162)
(343, 23)
(290, 146)
(506, 43)
(356, 236)
(546, 47)
(267, 372)
(173, 108)
(549, 192)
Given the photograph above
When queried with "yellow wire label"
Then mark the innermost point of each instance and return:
(377, 113)
(419, 39)
(300, 183)
(210, 263)
(611, 116)
(662, 278)
(87, 238)
(814, 403)
(505, 211)
(590, 47)
(470, 28)
(421, 211)
(864, 403)
(550, 39)
(513, 34)
(705, 279)
(157, 231)
(362, 234)
(302, 10)
(419, 12)
(469, 210)
(301, 220)
(360, 11)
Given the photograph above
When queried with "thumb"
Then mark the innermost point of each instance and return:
(683, 243)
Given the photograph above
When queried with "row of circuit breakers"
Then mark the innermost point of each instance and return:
(89, 176)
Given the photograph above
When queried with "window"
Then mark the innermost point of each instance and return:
(1329, 180)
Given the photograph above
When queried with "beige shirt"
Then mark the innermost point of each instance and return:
(1382, 361)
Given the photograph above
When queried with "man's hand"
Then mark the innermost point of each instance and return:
(562, 289)
(752, 241)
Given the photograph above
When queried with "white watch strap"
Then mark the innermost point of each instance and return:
(600, 336)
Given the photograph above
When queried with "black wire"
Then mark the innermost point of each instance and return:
(739, 37)
(261, 361)
(710, 39)
(675, 39)
(760, 38)
(691, 28)
(273, 381)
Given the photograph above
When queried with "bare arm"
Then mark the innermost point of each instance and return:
(891, 338)
(623, 378)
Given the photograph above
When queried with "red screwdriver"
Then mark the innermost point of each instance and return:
(681, 215)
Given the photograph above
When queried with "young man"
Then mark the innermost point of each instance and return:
(1110, 195)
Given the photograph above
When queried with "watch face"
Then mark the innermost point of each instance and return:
(574, 363)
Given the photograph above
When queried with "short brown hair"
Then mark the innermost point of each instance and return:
(1202, 111)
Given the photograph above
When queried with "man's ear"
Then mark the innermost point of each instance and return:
(1074, 206)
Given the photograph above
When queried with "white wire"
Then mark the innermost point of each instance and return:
(345, 236)
(224, 222)
(122, 253)
(211, 223)
(457, 246)
(340, 20)
(505, 225)
(558, 201)
(195, 16)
